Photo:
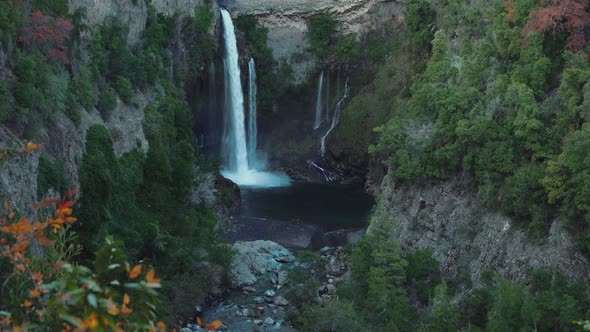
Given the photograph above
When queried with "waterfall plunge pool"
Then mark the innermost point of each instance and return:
(257, 179)
(300, 216)
(327, 205)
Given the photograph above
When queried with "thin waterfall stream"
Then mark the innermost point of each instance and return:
(335, 118)
(252, 125)
(319, 105)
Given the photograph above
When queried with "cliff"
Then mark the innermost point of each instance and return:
(467, 239)
(134, 13)
(285, 21)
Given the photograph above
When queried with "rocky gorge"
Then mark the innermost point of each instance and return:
(275, 256)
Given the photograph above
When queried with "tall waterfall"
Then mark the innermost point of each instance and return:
(318, 104)
(336, 118)
(252, 126)
(237, 148)
(238, 169)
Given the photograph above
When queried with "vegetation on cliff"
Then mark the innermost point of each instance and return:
(390, 290)
(497, 102)
(136, 207)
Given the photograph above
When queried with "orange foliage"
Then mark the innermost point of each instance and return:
(134, 273)
(568, 16)
(49, 34)
(510, 11)
(213, 325)
(150, 277)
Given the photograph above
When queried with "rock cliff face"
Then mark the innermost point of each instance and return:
(466, 239)
(285, 20)
(132, 12)
(65, 142)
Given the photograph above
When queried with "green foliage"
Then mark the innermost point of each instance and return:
(302, 288)
(55, 8)
(484, 108)
(159, 30)
(124, 89)
(444, 315)
(107, 102)
(82, 88)
(379, 278)
(8, 111)
(419, 22)
(333, 316)
(568, 178)
(50, 175)
(379, 291)
(321, 35)
(11, 16)
(98, 174)
(273, 77)
(203, 18)
(144, 199)
(525, 199)
(423, 274)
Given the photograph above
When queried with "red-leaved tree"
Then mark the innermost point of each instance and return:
(48, 34)
(568, 16)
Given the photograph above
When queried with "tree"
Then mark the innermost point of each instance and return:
(48, 34)
(98, 175)
(321, 34)
(444, 315)
(420, 22)
(567, 16)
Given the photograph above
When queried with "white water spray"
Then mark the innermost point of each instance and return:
(335, 119)
(252, 126)
(239, 170)
(319, 105)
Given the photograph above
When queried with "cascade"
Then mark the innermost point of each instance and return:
(319, 105)
(237, 167)
(328, 97)
(335, 118)
(252, 126)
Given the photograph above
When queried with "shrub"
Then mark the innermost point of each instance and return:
(50, 175)
(333, 316)
(203, 18)
(321, 34)
(107, 102)
(124, 89)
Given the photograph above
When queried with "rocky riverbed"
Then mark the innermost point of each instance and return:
(265, 278)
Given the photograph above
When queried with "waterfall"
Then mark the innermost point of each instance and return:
(237, 148)
(319, 105)
(238, 169)
(336, 117)
(252, 127)
(328, 98)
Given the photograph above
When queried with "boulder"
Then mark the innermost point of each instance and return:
(255, 258)
(282, 277)
(279, 300)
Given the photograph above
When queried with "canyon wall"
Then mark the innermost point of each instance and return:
(285, 20)
(132, 12)
(468, 239)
